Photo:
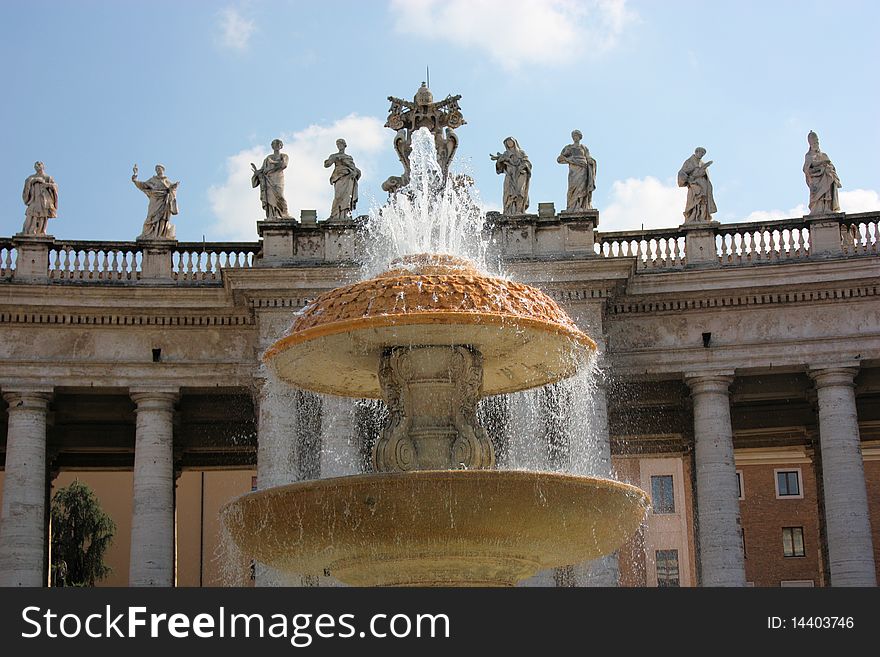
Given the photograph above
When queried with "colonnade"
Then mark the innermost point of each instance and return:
(23, 517)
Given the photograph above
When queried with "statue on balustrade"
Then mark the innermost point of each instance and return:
(517, 170)
(581, 174)
(40, 195)
(270, 179)
(700, 200)
(163, 203)
(344, 178)
(821, 178)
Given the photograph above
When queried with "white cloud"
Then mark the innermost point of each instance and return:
(236, 204)
(235, 29)
(515, 32)
(643, 203)
(854, 200)
(859, 200)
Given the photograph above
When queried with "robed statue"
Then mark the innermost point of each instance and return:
(344, 178)
(163, 203)
(270, 179)
(517, 170)
(40, 195)
(821, 179)
(700, 200)
(581, 174)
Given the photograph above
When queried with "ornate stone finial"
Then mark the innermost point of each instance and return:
(700, 199)
(163, 203)
(344, 179)
(270, 179)
(581, 174)
(40, 195)
(822, 179)
(423, 96)
(517, 170)
(440, 119)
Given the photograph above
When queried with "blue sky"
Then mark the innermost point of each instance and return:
(203, 87)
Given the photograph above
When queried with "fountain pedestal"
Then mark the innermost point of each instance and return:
(432, 394)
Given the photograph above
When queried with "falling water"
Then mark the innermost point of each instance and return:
(430, 215)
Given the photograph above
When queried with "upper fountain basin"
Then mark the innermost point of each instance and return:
(335, 343)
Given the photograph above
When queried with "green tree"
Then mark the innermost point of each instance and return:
(81, 534)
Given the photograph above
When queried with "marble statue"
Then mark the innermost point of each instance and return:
(700, 199)
(517, 170)
(344, 178)
(441, 119)
(163, 203)
(821, 178)
(270, 179)
(581, 174)
(40, 195)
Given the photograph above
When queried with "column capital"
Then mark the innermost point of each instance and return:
(834, 375)
(28, 399)
(709, 382)
(158, 399)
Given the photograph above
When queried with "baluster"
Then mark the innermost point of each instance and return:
(872, 236)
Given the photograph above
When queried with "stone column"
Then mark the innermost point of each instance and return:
(152, 522)
(848, 525)
(340, 451)
(23, 515)
(720, 545)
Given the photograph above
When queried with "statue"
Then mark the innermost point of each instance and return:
(344, 179)
(40, 195)
(517, 170)
(440, 119)
(821, 179)
(581, 174)
(700, 200)
(163, 203)
(270, 179)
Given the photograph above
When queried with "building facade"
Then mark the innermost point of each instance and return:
(742, 390)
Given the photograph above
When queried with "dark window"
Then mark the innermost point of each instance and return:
(742, 538)
(788, 482)
(793, 542)
(667, 567)
(739, 485)
(662, 497)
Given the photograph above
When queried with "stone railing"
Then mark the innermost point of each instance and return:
(766, 241)
(746, 243)
(652, 249)
(860, 233)
(7, 258)
(43, 259)
(82, 260)
(199, 262)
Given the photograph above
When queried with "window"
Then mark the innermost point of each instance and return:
(788, 483)
(662, 497)
(739, 485)
(793, 541)
(742, 540)
(667, 567)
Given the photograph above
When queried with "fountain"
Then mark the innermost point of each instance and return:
(432, 335)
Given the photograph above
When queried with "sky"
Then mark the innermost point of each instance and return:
(93, 87)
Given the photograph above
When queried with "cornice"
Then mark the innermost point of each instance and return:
(713, 299)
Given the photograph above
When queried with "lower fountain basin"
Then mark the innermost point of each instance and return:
(435, 527)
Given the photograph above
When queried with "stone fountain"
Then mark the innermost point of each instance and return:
(431, 336)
